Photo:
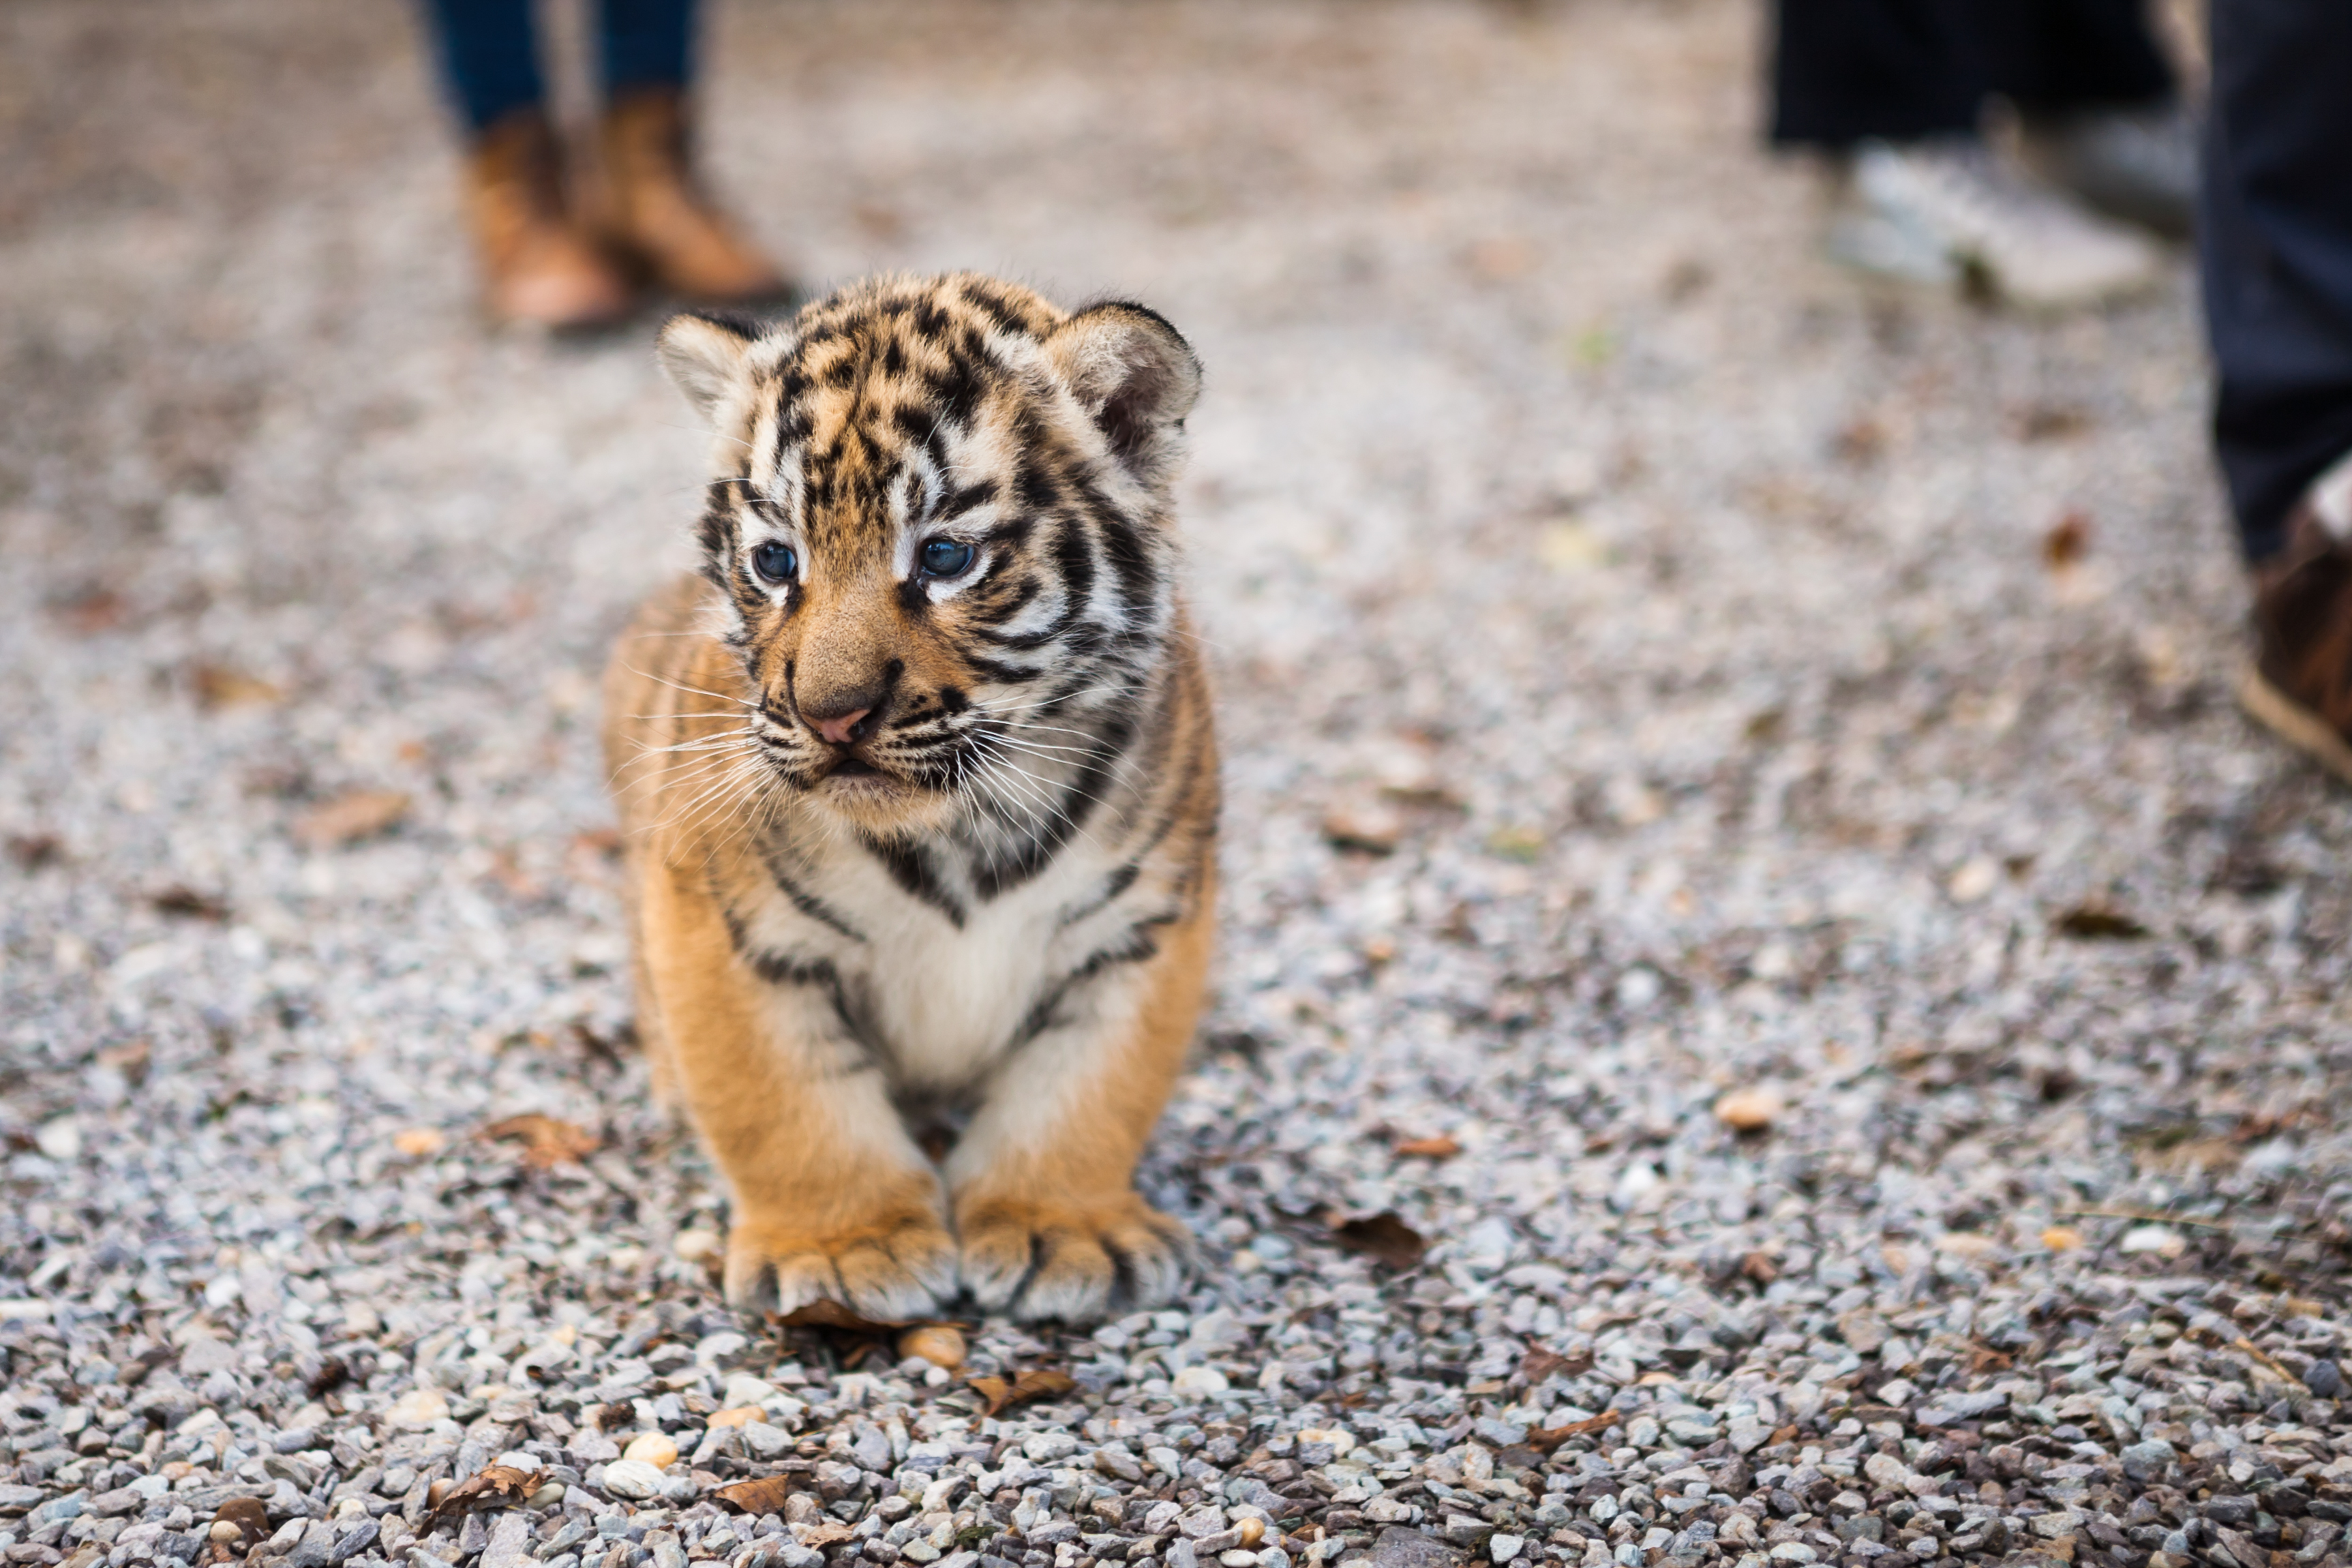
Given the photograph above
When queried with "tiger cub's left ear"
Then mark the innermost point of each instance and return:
(703, 351)
(1135, 375)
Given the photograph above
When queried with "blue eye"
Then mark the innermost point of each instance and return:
(946, 558)
(775, 561)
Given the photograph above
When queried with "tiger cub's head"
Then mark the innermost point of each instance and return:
(941, 531)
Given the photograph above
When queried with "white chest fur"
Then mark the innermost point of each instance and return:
(941, 999)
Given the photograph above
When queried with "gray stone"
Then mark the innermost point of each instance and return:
(1399, 1548)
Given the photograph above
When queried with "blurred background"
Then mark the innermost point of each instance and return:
(1656, 662)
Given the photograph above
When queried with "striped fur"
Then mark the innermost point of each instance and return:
(909, 847)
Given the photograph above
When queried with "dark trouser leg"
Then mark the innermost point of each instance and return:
(2275, 241)
(1847, 70)
(490, 57)
(2051, 56)
(646, 44)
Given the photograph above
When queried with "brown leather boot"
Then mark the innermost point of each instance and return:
(658, 213)
(2300, 682)
(537, 265)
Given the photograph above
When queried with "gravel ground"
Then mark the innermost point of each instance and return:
(1772, 1010)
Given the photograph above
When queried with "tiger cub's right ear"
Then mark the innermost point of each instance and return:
(704, 353)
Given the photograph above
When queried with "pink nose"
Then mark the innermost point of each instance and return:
(841, 728)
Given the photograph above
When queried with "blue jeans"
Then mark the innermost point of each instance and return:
(489, 51)
(2275, 242)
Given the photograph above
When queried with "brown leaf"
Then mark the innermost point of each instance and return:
(1544, 1439)
(1034, 1383)
(765, 1495)
(32, 851)
(833, 1315)
(494, 1485)
(2098, 923)
(182, 899)
(93, 611)
(1384, 1236)
(547, 1142)
(219, 686)
(1438, 1148)
(2068, 541)
(347, 818)
(2051, 422)
(1759, 1267)
(1540, 1364)
(817, 1537)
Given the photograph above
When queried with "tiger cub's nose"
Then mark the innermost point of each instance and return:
(841, 728)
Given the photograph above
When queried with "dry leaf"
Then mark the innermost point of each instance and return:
(765, 1495)
(547, 1142)
(32, 851)
(419, 1141)
(350, 817)
(494, 1485)
(2098, 923)
(817, 1537)
(1438, 1148)
(1035, 1384)
(179, 899)
(833, 1315)
(94, 611)
(1540, 1364)
(2068, 541)
(1383, 1236)
(219, 686)
(2051, 422)
(1544, 1439)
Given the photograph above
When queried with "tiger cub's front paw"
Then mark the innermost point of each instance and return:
(1076, 1261)
(891, 1268)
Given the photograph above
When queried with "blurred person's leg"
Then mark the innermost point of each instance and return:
(537, 265)
(2275, 239)
(658, 212)
(2099, 104)
(1848, 72)
(1895, 90)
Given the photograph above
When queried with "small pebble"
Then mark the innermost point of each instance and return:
(941, 1344)
(1749, 1109)
(654, 1448)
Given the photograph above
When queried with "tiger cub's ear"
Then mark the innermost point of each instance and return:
(1135, 375)
(703, 354)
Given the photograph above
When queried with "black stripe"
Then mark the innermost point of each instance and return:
(995, 877)
(911, 870)
(810, 905)
(785, 969)
(1135, 946)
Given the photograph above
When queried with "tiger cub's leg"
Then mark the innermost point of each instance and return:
(833, 1200)
(1045, 1208)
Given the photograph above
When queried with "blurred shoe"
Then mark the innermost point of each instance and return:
(1947, 212)
(2139, 166)
(2300, 682)
(537, 265)
(658, 213)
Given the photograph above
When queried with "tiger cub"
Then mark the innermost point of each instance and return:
(919, 795)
